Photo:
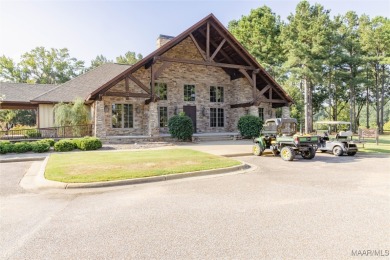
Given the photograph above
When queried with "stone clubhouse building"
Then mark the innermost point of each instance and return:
(204, 72)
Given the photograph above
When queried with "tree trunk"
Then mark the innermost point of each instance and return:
(367, 104)
(377, 95)
(308, 106)
(382, 100)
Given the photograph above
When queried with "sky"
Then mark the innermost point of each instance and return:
(90, 28)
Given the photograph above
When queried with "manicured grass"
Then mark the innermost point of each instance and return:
(371, 147)
(84, 167)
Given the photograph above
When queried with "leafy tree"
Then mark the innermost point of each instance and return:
(99, 60)
(71, 114)
(129, 58)
(259, 32)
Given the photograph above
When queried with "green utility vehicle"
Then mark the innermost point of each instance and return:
(280, 136)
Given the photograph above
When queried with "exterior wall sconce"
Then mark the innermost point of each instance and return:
(175, 110)
(203, 111)
(106, 108)
(246, 111)
(138, 109)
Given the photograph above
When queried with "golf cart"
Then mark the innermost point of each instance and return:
(341, 143)
(280, 136)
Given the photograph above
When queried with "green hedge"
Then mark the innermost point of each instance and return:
(22, 147)
(41, 146)
(64, 145)
(88, 143)
(180, 126)
(6, 147)
(249, 126)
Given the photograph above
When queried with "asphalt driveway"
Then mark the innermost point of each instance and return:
(319, 209)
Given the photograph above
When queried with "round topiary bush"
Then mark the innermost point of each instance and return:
(88, 143)
(22, 147)
(40, 147)
(249, 126)
(180, 127)
(64, 146)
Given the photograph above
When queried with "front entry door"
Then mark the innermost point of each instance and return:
(191, 112)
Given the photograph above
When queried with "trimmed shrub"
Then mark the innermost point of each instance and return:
(180, 126)
(249, 126)
(6, 147)
(49, 141)
(40, 147)
(22, 147)
(88, 143)
(64, 146)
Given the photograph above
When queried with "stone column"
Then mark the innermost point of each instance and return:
(99, 124)
(154, 128)
(285, 112)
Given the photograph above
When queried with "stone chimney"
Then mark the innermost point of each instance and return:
(163, 39)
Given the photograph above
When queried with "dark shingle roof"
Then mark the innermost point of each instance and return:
(83, 85)
(22, 92)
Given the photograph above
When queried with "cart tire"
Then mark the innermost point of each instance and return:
(257, 149)
(309, 154)
(287, 153)
(337, 150)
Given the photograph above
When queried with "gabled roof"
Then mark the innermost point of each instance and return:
(22, 92)
(81, 86)
(232, 52)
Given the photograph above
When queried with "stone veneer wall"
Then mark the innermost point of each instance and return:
(176, 76)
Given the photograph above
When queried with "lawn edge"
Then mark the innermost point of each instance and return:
(43, 183)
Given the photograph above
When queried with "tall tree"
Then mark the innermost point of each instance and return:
(375, 41)
(99, 60)
(129, 58)
(304, 41)
(259, 32)
(351, 67)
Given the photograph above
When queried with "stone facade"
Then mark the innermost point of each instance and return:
(146, 117)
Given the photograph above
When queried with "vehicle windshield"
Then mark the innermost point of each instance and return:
(288, 128)
(270, 126)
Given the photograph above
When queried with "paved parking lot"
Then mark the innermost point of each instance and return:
(318, 209)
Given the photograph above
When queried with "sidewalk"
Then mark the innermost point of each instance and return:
(223, 148)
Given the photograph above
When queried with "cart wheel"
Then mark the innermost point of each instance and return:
(309, 154)
(257, 149)
(351, 153)
(337, 150)
(287, 153)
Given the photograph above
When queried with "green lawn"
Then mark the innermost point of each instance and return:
(371, 147)
(84, 167)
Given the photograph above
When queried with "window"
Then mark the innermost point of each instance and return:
(189, 93)
(216, 94)
(161, 90)
(163, 116)
(217, 117)
(278, 112)
(261, 114)
(122, 116)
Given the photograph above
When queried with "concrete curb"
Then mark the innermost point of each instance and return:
(35, 178)
(23, 159)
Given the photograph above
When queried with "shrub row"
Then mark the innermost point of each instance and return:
(84, 144)
(41, 146)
